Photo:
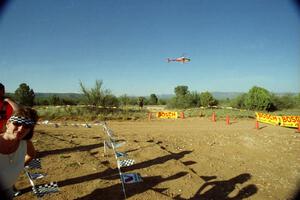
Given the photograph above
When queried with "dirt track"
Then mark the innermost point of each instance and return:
(192, 158)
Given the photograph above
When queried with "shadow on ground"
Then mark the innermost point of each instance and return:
(222, 190)
(112, 174)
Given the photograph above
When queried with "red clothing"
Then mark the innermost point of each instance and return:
(5, 113)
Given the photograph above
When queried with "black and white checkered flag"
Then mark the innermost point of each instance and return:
(125, 163)
(35, 176)
(21, 120)
(34, 164)
(131, 178)
(42, 190)
(120, 154)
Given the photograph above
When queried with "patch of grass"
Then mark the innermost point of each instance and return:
(89, 113)
(92, 113)
(220, 113)
(294, 112)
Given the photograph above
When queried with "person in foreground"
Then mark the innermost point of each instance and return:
(15, 145)
(7, 106)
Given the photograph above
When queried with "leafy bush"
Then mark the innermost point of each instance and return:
(99, 97)
(258, 99)
(220, 113)
(183, 98)
(88, 113)
(239, 101)
(286, 101)
(207, 99)
(153, 100)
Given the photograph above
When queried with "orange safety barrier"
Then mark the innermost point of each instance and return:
(257, 125)
(182, 115)
(149, 115)
(213, 118)
(227, 120)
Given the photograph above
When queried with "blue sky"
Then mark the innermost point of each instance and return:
(53, 44)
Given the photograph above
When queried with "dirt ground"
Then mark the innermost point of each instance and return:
(191, 158)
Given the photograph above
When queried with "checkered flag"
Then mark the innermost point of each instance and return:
(131, 178)
(125, 163)
(34, 176)
(21, 120)
(120, 154)
(42, 190)
(34, 164)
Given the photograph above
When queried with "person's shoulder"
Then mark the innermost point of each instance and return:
(5, 103)
(9, 108)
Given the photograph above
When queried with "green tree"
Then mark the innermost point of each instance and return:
(239, 101)
(111, 100)
(195, 99)
(94, 96)
(69, 101)
(182, 99)
(181, 90)
(55, 100)
(24, 95)
(124, 100)
(258, 99)
(162, 101)
(286, 101)
(207, 99)
(41, 101)
(133, 101)
(153, 100)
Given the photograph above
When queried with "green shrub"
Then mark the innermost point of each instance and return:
(258, 99)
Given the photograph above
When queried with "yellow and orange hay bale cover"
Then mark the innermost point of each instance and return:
(167, 115)
(285, 121)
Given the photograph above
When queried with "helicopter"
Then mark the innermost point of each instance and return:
(181, 59)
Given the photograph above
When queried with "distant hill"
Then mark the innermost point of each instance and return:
(165, 96)
(225, 95)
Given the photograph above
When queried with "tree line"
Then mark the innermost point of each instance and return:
(257, 98)
(96, 96)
